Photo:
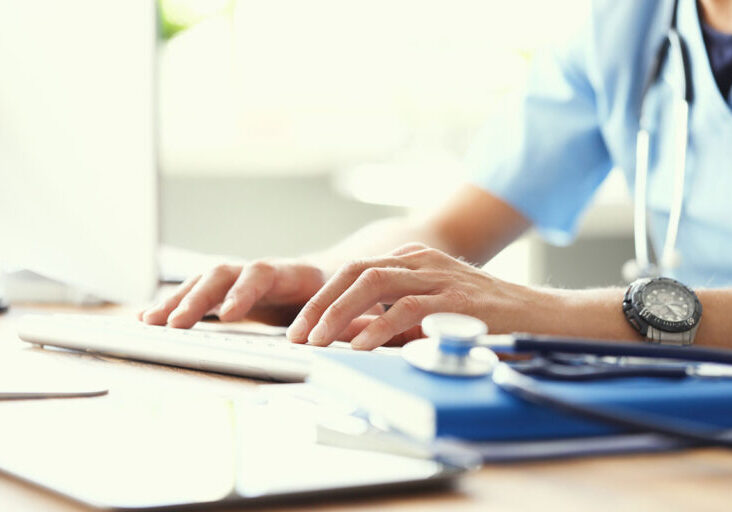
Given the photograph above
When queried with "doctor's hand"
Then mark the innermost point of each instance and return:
(416, 281)
(270, 291)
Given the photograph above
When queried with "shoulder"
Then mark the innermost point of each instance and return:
(623, 37)
(612, 36)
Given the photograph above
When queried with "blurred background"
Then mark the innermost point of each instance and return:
(287, 124)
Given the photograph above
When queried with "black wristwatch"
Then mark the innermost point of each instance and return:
(663, 310)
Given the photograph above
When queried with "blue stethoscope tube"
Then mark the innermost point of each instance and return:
(527, 343)
(673, 51)
(532, 391)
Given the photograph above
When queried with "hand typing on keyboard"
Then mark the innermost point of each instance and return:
(415, 279)
(268, 291)
(272, 292)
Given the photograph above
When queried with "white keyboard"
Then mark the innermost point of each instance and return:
(262, 356)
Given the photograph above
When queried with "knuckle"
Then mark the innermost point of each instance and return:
(234, 296)
(220, 269)
(372, 277)
(335, 310)
(425, 254)
(384, 325)
(261, 266)
(205, 298)
(410, 305)
(313, 308)
(431, 252)
(354, 267)
(242, 295)
(457, 299)
(410, 247)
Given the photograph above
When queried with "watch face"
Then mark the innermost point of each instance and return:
(669, 305)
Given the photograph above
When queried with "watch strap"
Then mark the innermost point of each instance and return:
(654, 335)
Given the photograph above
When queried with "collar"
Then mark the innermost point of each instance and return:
(707, 96)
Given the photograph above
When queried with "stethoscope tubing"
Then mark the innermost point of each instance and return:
(523, 343)
(674, 47)
(530, 390)
(541, 366)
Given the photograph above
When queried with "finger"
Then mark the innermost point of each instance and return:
(251, 285)
(158, 314)
(409, 248)
(204, 296)
(373, 286)
(355, 327)
(334, 288)
(411, 334)
(360, 323)
(405, 314)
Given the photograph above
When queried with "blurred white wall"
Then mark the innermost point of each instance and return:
(282, 120)
(296, 86)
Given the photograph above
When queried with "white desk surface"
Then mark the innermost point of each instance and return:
(699, 480)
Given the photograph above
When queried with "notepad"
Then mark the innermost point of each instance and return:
(428, 406)
(26, 377)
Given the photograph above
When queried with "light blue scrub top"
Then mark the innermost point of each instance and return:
(579, 118)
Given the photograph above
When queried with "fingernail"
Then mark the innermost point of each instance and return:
(180, 310)
(227, 306)
(318, 333)
(358, 343)
(296, 331)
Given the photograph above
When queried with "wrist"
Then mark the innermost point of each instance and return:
(551, 310)
(593, 313)
(517, 308)
(598, 313)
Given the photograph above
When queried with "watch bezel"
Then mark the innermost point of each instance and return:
(659, 323)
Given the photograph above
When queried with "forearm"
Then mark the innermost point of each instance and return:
(598, 314)
(472, 224)
(377, 238)
(592, 313)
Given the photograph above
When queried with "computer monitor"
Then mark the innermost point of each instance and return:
(78, 177)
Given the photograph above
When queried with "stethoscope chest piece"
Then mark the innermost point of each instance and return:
(451, 347)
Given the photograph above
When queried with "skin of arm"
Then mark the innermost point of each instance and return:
(337, 294)
(597, 313)
(473, 224)
(419, 281)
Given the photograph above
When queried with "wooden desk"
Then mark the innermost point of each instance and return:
(699, 480)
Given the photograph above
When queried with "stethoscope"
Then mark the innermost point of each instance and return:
(458, 346)
(673, 51)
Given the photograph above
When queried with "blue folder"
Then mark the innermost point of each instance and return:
(475, 409)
